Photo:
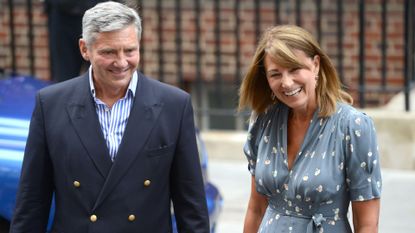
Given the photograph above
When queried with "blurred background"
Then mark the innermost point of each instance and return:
(205, 46)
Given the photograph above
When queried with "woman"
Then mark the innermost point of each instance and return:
(310, 152)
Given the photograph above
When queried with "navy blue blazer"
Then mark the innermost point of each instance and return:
(157, 163)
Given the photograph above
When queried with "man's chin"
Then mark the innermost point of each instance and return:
(121, 76)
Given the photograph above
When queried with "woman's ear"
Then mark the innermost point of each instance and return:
(316, 62)
(83, 49)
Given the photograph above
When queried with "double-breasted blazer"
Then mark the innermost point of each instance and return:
(66, 155)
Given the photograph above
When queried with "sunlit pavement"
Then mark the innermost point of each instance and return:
(233, 180)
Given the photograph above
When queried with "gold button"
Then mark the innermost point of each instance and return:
(76, 184)
(93, 218)
(147, 183)
(131, 217)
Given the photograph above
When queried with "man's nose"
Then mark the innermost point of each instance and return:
(121, 61)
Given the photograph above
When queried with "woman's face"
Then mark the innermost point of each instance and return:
(295, 87)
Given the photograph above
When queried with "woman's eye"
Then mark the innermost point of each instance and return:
(294, 69)
(274, 75)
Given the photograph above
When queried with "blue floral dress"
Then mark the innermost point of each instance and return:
(338, 162)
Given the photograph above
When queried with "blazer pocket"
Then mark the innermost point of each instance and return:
(159, 151)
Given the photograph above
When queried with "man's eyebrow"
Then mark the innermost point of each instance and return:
(106, 49)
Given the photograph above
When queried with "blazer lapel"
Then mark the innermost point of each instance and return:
(83, 115)
(144, 113)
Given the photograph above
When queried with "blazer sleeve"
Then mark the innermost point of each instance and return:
(187, 188)
(35, 186)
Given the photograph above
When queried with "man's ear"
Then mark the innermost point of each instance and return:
(83, 49)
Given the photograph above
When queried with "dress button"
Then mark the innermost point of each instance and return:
(77, 184)
(131, 217)
(147, 183)
(93, 218)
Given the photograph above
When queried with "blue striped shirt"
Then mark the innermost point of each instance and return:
(113, 120)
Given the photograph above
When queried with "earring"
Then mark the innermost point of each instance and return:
(316, 78)
(272, 96)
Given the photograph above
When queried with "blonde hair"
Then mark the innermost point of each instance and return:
(279, 42)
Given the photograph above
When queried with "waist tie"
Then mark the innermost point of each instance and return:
(315, 221)
(314, 226)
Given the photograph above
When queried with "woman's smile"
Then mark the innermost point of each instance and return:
(293, 92)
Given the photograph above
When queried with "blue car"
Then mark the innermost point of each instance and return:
(16, 106)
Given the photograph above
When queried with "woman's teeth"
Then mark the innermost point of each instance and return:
(293, 92)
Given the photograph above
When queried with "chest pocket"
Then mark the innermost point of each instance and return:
(160, 151)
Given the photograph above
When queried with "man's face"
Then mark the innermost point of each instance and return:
(114, 57)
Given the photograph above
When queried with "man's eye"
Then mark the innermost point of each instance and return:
(107, 52)
(129, 51)
(294, 69)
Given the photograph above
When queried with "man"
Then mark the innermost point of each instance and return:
(115, 147)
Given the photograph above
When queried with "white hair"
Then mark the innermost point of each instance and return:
(106, 17)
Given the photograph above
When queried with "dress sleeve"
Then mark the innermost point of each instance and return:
(251, 144)
(362, 158)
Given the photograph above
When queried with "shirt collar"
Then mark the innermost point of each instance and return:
(131, 87)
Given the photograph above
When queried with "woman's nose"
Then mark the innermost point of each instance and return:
(286, 81)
